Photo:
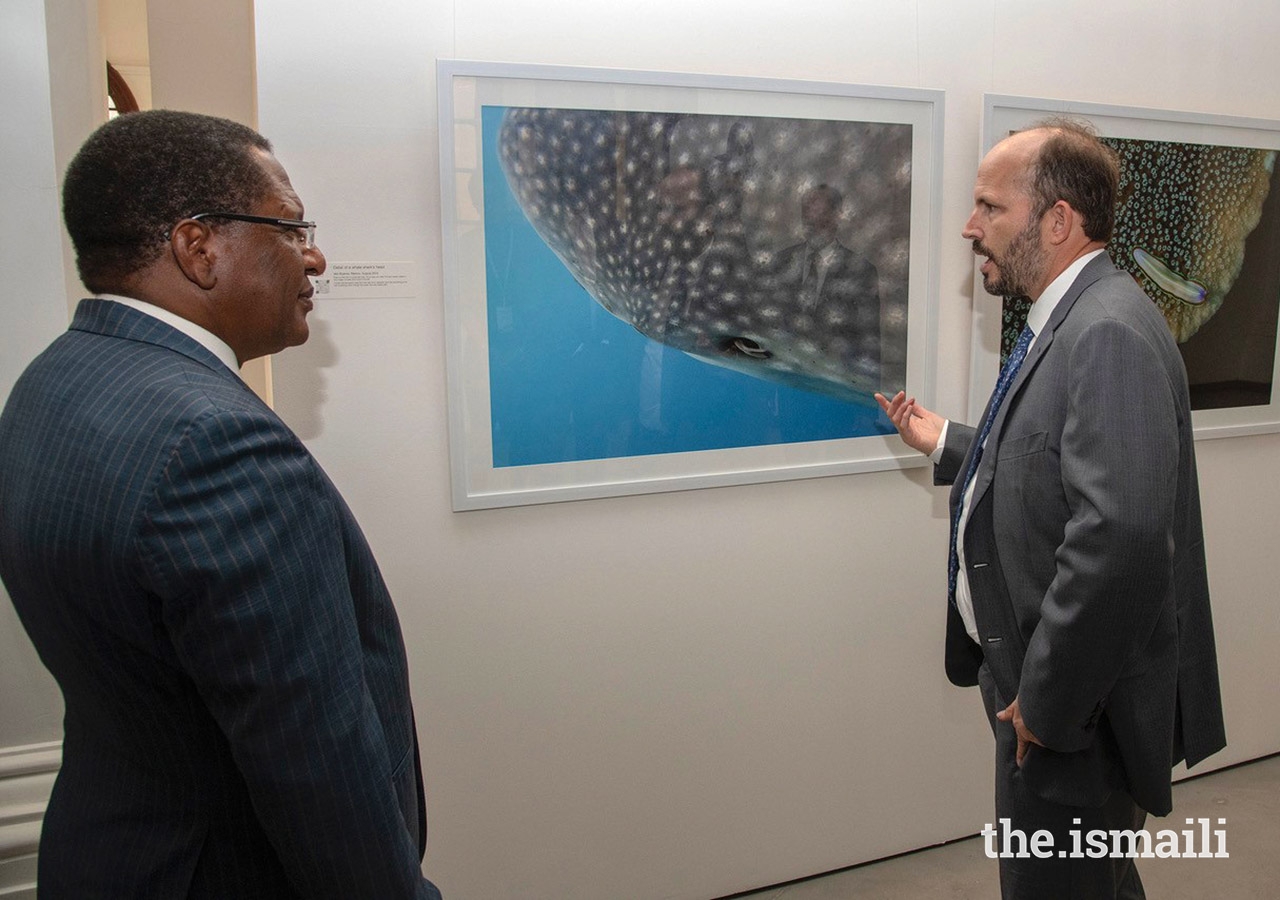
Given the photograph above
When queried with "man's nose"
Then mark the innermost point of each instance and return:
(316, 261)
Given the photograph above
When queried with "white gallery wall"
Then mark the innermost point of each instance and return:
(33, 310)
(689, 694)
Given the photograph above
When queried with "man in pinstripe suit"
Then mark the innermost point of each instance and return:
(238, 721)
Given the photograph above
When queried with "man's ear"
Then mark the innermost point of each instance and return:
(194, 249)
(1062, 219)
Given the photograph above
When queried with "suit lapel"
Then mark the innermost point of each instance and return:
(1096, 269)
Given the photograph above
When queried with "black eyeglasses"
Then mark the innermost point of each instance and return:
(306, 231)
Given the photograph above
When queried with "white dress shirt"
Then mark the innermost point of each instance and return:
(1037, 318)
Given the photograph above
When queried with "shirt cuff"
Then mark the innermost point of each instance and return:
(936, 456)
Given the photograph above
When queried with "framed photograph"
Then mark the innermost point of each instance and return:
(1198, 227)
(659, 282)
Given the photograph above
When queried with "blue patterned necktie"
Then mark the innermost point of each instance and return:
(1007, 374)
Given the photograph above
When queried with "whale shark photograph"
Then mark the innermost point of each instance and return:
(664, 282)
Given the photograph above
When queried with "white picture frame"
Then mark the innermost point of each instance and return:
(467, 89)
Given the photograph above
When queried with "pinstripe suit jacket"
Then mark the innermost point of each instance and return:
(238, 721)
(1084, 552)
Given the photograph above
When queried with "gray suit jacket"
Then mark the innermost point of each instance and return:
(237, 720)
(1085, 553)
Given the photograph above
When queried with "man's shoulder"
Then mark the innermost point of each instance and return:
(113, 385)
(1116, 295)
(1114, 304)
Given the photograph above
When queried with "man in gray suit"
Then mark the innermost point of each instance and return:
(1078, 597)
(238, 721)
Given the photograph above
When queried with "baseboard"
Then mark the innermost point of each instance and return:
(26, 780)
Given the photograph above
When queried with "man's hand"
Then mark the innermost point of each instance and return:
(1012, 713)
(919, 428)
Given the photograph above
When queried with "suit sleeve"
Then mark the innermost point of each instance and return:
(245, 547)
(958, 439)
(1119, 468)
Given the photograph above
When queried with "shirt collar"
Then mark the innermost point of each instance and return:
(202, 336)
(1045, 304)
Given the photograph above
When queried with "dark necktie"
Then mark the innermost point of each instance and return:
(1007, 374)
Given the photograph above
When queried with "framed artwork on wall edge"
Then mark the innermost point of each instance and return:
(657, 281)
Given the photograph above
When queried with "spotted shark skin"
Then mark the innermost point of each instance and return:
(690, 228)
(1185, 211)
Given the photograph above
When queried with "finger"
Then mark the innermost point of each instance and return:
(902, 416)
(891, 407)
